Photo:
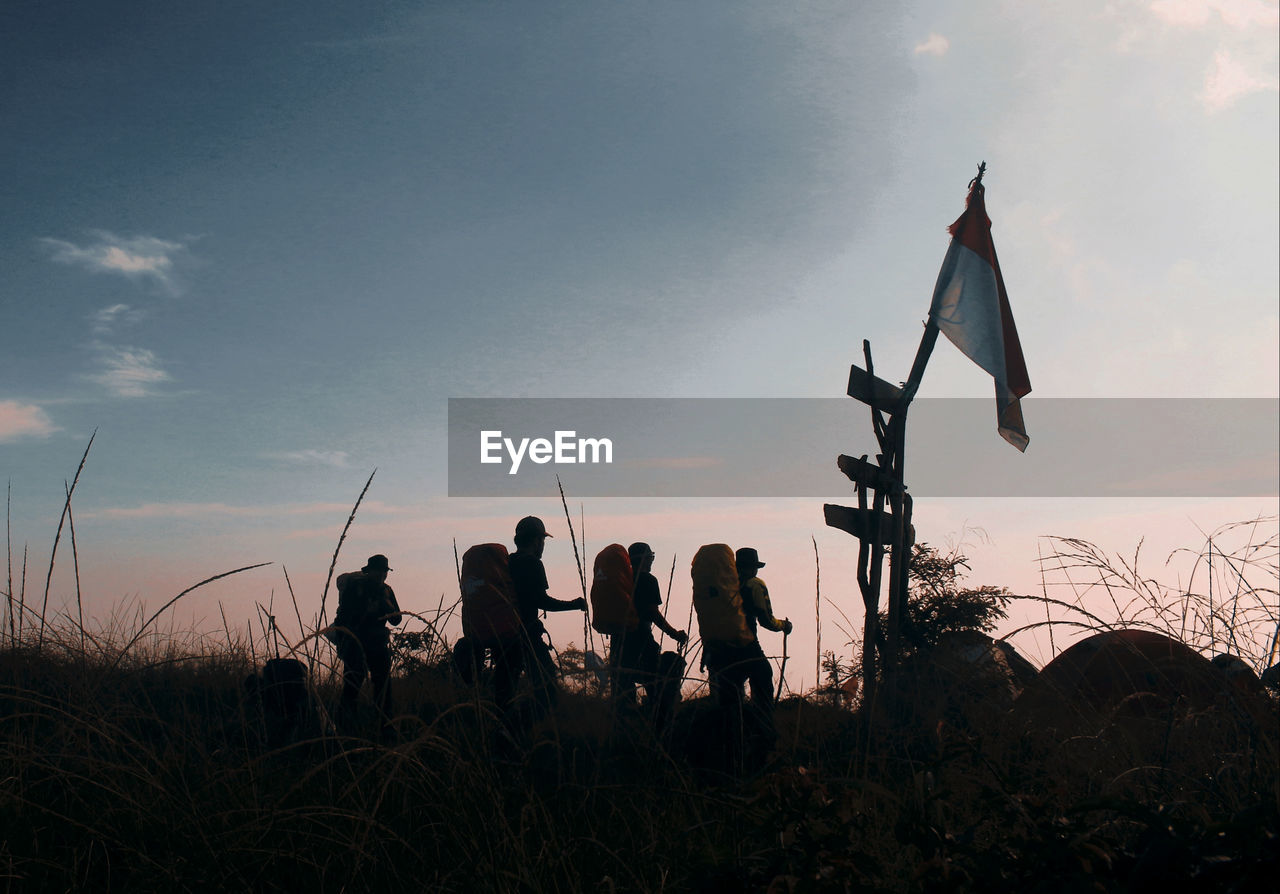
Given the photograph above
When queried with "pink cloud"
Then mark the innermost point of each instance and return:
(19, 420)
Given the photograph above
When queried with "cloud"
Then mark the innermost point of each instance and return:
(1243, 32)
(1229, 80)
(135, 257)
(105, 320)
(335, 458)
(227, 510)
(129, 372)
(1241, 14)
(19, 420)
(933, 45)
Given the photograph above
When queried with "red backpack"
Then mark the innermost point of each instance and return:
(612, 610)
(489, 612)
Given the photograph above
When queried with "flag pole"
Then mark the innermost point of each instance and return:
(899, 500)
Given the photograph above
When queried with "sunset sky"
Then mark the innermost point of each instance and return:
(257, 247)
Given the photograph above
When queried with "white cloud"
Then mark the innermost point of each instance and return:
(19, 420)
(933, 45)
(1229, 80)
(335, 458)
(1241, 14)
(129, 372)
(1243, 33)
(135, 256)
(105, 320)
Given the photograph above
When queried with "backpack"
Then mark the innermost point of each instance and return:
(613, 611)
(356, 595)
(489, 613)
(716, 597)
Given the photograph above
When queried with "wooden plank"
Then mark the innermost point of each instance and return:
(874, 391)
(867, 474)
(858, 522)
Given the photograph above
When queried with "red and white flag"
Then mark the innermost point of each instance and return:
(971, 307)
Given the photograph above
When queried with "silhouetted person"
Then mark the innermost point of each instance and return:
(529, 650)
(636, 655)
(732, 665)
(365, 605)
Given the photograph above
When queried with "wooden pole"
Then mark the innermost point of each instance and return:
(886, 479)
(870, 607)
(900, 551)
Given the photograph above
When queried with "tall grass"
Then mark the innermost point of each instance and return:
(1225, 599)
(159, 771)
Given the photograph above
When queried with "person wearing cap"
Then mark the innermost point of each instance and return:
(748, 662)
(365, 604)
(531, 650)
(639, 658)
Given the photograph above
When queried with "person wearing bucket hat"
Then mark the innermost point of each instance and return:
(365, 604)
(750, 663)
(755, 595)
(531, 649)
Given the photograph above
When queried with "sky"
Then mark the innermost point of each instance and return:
(257, 248)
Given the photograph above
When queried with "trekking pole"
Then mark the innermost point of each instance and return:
(688, 627)
(588, 641)
(666, 606)
(782, 669)
(457, 566)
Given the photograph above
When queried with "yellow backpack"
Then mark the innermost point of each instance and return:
(716, 597)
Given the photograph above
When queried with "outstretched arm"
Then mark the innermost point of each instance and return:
(647, 599)
(661, 623)
(550, 603)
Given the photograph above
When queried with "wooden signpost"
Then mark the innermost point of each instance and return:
(875, 528)
(961, 284)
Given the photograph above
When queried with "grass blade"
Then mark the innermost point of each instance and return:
(53, 555)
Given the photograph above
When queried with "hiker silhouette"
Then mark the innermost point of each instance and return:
(733, 664)
(365, 604)
(635, 655)
(529, 649)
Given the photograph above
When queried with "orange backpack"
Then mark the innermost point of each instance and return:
(717, 598)
(613, 611)
(489, 612)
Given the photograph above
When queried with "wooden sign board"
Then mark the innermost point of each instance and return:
(867, 474)
(875, 392)
(858, 522)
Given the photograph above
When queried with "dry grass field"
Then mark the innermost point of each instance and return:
(134, 758)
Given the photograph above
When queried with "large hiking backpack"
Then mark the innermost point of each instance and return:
(716, 596)
(613, 611)
(355, 603)
(489, 612)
